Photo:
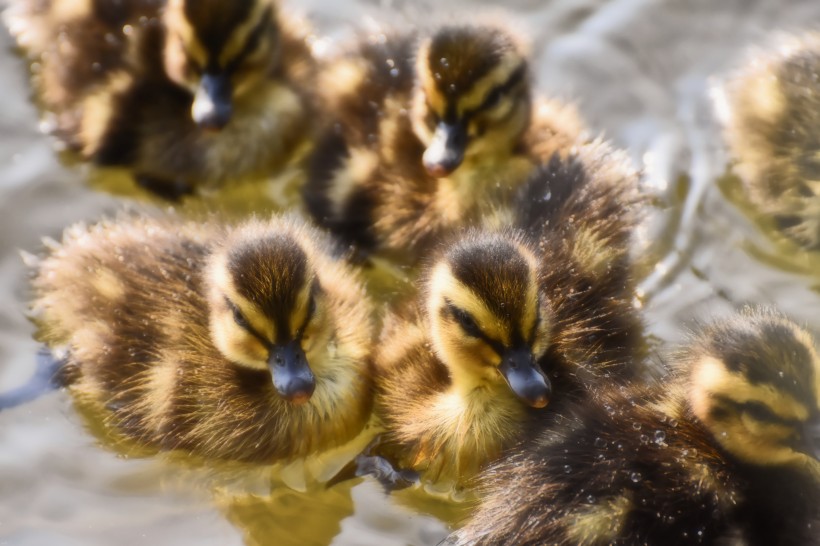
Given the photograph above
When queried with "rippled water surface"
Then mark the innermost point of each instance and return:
(640, 71)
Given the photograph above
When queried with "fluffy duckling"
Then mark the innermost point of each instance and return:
(248, 343)
(457, 369)
(184, 92)
(461, 370)
(431, 133)
(721, 455)
(771, 112)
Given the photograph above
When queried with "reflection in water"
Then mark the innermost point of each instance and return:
(286, 517)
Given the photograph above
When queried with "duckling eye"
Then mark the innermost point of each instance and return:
(239, 318)
(466, 321)
(760, 412)
(492, 100)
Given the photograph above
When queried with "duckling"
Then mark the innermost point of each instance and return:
(186, 93)
(771, 112)
(719, 455)
(463, 368)
(457, 369)
(432, 133)
(246, 343)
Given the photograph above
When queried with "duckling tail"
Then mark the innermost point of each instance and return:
(49, 375)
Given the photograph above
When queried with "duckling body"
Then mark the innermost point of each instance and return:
(431, 134)
(247, 343)
(456, 370)
(441, 361)
(772, 111)
(718, 456)
(186, 94)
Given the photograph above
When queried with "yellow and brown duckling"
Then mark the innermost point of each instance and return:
(431, 133)
(771, 111)
(248, 343)
(186, 93)
(463, 369)
(721, 455)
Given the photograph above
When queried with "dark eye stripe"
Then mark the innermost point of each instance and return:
(755, 410)
(252, 42)
(762, 413)
(470, 327)
(499, 90)
(243, 323)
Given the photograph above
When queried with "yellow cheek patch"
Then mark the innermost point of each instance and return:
(427, 81)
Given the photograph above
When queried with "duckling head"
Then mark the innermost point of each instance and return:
(755, 384)
(472, 95)
(219, 51)
(488, 322)
(267, 310)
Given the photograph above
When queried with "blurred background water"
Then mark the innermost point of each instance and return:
(640, 71)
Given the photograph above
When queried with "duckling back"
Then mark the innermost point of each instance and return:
(770, 108)
(174, 351)
(582, 210)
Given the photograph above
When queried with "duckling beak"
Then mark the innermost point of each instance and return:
(212, 102)
(446, 152)
(525, 377)
(811, 439)
(292, 377)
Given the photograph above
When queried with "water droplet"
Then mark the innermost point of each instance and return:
(444, 62)
(394, 72)
(636, 425)
(591, 499)
(567, 469)
(547, 196)
(635, 477)
(644, 439)
(600, 442)
(660, 436)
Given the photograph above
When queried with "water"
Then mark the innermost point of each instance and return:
(640, 72)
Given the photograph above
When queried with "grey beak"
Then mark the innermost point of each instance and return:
(446, 151)
(212, 102)
(525, 378)
(811, 439)
(292, 377)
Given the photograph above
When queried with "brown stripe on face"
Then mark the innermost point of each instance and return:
(270, 273)
(214, 21)
(496, 271)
